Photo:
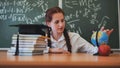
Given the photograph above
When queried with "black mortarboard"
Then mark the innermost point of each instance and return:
(29, 29)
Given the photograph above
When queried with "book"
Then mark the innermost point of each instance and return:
(26, 49)
(30, 36)
(27, 35)
(31, 45)
(25, 53)
(32, 42)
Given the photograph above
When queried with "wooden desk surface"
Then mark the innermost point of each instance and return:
(60, 60)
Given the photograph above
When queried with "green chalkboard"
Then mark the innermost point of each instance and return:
(20, 12)
(85, 16)
(82, 16)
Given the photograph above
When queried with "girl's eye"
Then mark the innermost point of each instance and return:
(62, 20)
(56, 22)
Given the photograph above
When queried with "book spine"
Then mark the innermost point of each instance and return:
(26, 49)
(26, 54)
(32, 42)
(27, 35)
(32, 46)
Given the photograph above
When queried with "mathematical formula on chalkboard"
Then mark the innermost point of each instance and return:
(85, 11)
(86, 16)
(23, 11)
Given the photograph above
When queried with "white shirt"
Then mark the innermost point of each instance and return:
(78, 44)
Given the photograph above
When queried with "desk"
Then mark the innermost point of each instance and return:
(60, 60)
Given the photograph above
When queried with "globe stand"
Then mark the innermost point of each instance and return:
(96, 54)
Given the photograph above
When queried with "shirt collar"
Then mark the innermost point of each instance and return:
(60, 39)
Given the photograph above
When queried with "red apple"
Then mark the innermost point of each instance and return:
(104, 50)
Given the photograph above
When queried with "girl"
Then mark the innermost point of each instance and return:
(61, 40)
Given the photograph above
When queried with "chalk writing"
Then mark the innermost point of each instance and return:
(82, 12)
(22, 10)
(103, 21)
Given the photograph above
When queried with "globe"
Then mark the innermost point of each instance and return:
(102, 37)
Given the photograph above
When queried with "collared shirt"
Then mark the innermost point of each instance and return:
(78, 44)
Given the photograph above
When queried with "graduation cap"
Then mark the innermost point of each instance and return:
(29, 29)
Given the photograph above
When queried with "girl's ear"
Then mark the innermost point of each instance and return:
(48, 24)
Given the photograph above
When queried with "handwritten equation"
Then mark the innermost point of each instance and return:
(82, 12)
(27, 11)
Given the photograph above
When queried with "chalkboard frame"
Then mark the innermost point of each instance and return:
(119, 20)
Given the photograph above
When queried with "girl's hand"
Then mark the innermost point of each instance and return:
(58, 50)
(108, 31)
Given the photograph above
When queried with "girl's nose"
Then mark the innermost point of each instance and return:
(60, 24)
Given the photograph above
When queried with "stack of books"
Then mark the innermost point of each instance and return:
(28, 44)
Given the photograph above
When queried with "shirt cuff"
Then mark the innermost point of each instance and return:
(46, 50)
(96, 49)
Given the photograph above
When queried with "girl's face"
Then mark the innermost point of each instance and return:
(57, 23)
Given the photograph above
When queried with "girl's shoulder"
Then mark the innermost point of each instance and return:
(73, 34)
